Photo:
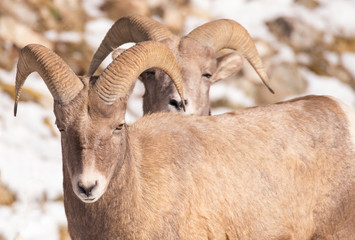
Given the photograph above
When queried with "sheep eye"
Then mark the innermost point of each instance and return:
(206, 75)
(59, 126)
(61, 129)
(119, 127)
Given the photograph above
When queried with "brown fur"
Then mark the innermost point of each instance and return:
(283, 171)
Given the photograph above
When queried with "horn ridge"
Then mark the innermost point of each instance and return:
(61, 81)
(120, 76)
(135, 28)
(226, 33)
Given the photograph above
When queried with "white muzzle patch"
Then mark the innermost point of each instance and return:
(90, 185)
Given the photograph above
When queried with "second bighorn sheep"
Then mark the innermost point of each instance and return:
(282, 171)
(196, 57)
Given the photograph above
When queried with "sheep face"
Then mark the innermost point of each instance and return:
(90, 111)
(92, 136)
(200, 68)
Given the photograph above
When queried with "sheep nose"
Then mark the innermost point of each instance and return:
(177, 104)
(86, 189)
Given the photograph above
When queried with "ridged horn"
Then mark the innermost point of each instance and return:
(134, 28)
(226, 33)
(61, 81)
(118, 78)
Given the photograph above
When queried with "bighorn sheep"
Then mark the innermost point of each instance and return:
(282, 171)
(196, 57)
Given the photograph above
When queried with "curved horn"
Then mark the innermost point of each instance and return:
(118, 78)
(128, 29)
(225, 33)
(61, 81)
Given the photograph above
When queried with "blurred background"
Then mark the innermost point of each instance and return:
(308, 47)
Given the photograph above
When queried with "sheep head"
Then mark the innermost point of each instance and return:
(90, 111)
(200, 68)
(196, 55)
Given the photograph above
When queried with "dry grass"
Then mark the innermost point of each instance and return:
(6, 196)
(63, 233)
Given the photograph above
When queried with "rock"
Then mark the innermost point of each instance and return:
(60, 15)
(311, 4)
(63, 233)
(27, 94)
(76, 54)
(6, 196)
(174, 18)
(295, 33)
(8, 55)
(15, 32)
(116, 9)
(22, 12)
(343, 44)
(321, 65)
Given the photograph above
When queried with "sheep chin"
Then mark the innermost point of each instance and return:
(90, 199)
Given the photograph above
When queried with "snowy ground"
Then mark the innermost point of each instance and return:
(30, 160)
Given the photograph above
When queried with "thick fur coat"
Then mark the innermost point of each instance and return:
(283, 171)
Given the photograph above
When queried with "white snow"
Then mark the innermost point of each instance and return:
(220, 90)
(321, 85)
(348, 60)
(63, 36)
(30, 165)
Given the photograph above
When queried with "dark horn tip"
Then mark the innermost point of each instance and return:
(270, 89)
(15, 109)
(183, 106)
(267, 84)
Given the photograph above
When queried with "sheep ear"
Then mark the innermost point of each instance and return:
(227, 65)
(117, 52)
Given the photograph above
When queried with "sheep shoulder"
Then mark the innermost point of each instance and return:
(306, 116)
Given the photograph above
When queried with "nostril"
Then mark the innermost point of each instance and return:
(174, 103)
(177, 104)
(87, 190)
